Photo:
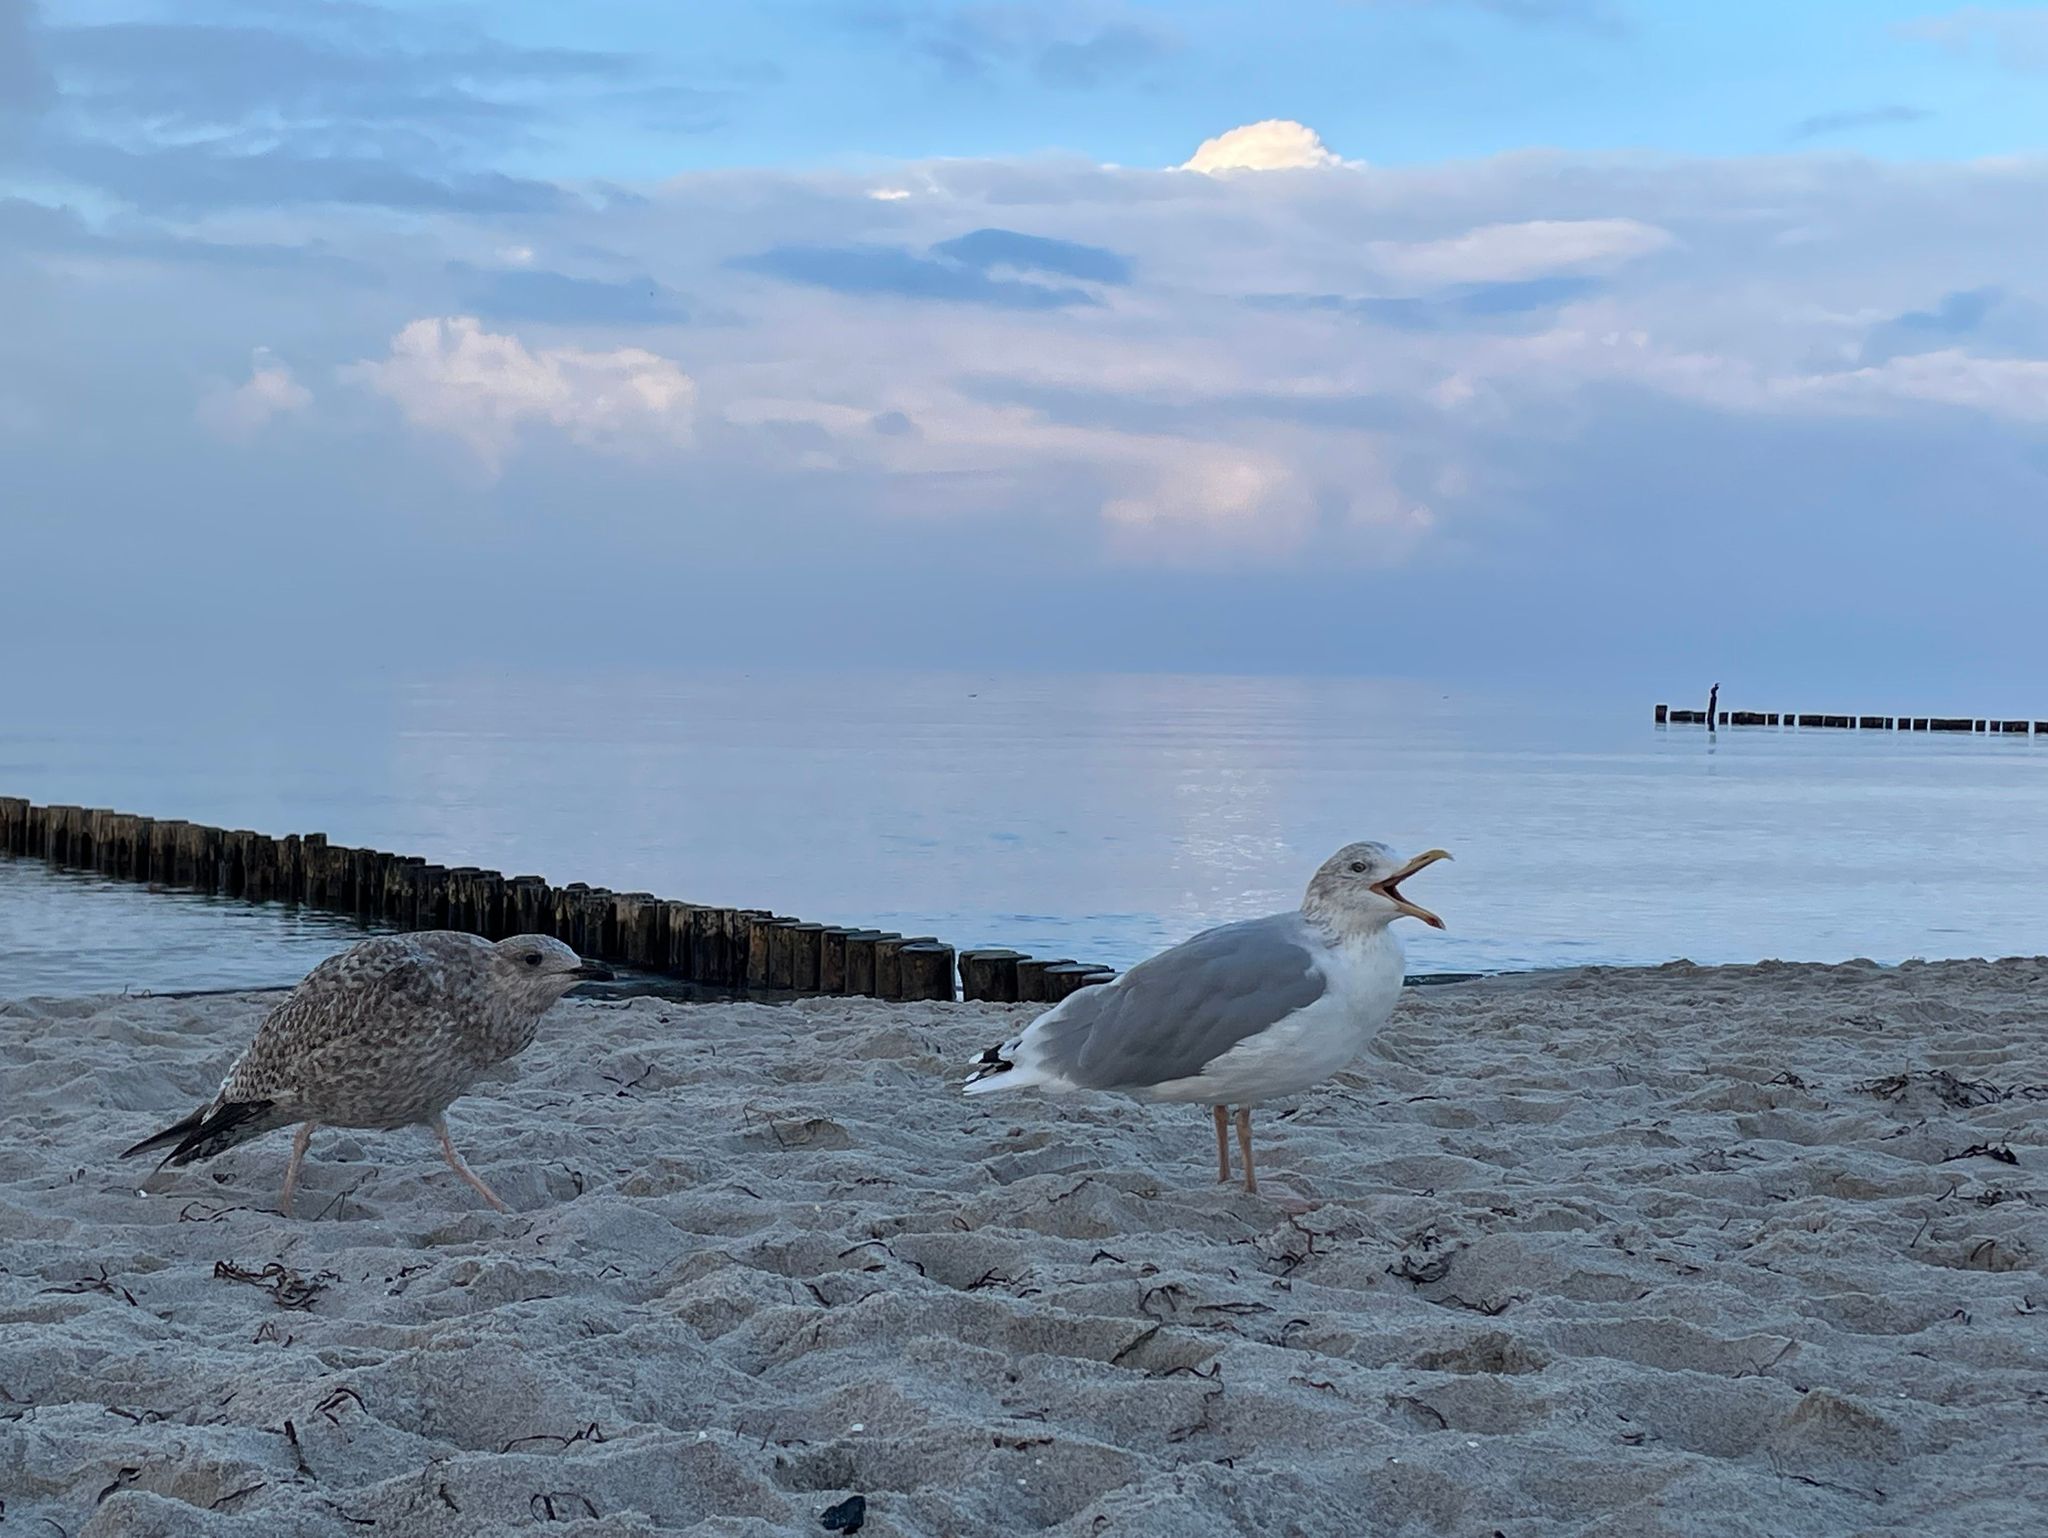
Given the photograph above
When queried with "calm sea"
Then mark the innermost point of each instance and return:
(1091, 817)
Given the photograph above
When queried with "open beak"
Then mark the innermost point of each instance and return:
(593, 972)
(1390, 888)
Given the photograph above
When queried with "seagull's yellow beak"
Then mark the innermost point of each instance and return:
(1390, 888)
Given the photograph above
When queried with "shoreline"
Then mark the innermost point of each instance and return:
(669, 990)
(1667, 1252)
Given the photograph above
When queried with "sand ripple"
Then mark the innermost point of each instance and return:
(1684, 1251)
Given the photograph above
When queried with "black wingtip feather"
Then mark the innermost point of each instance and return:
(207, 1132)
(174, 1133)
(989, 1064)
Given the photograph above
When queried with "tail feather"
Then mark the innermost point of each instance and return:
(987, 1066)
(211, 1130)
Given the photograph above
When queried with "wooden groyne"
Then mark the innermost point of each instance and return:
(1992, 726)
(735, 949)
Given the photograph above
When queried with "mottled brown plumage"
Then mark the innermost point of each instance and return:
(387, 1034)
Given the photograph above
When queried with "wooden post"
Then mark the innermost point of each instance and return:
(674, 928)
(432, 912)
(58, 837)
(232, 869)
(262, 856)
(633, 917)
(600, 940)
(529, 902)
(1874, 723)
(806, 947)
(760, 960)
(889, 963)
(860, 959)
(927, 968)
(832, 959)
(99, 838)
(13, 823)
(1069, 978)
(989, 975)
(739, 943)
(1663, 714)
(370, 869)
(1031, 983)
(708, 961)
(781, 954)
(198, 858)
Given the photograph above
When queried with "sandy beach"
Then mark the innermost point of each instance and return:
(1684, 1251)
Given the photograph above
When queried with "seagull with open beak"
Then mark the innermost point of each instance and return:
(1240, 1014)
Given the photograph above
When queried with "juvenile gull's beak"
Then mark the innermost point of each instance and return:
(1390, 888)
(593, 972)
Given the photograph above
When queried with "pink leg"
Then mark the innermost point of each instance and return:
(291, 1170)
(1244, 1143)
(440, 1125)
(1222, 1144)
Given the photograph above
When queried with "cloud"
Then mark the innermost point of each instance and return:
(1509, 253)
(24, 85)
(1917, 331)
(486, 390)
(521, 292)
(2015, 36)
(247, 104)
(1277, 144)
(1596, 16)
(1160, 390)
(241, 411)
(194, 179)
(1824, 123)
(1523, 305)
(1991, 321)
(987, 249)
(1069, 44)
(959, 271)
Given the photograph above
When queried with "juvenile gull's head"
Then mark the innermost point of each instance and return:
(1359, 888)
(539, 969)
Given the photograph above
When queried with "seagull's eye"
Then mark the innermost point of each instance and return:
(533, 958)
(1358, 867)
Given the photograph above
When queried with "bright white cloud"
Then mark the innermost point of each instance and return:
(485, 389)
(2016, 35)
(1277, 144)
(241, 411)
(1507, 253)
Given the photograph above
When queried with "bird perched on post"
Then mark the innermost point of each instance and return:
(384, 1035)
(1239, 1014)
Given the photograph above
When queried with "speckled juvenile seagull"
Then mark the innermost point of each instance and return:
(1239, 1014)
(384, 1035)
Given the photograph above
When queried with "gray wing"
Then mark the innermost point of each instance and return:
(1174, 1013)
(357, 1018)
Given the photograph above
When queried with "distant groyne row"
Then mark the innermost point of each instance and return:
(1666, 715)
(732, 949)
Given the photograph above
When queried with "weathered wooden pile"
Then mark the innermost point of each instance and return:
(1666, 715)
(738, 949)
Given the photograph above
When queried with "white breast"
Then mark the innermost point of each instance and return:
(1311, 1044)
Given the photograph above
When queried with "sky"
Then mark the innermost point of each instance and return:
(1517, 343)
